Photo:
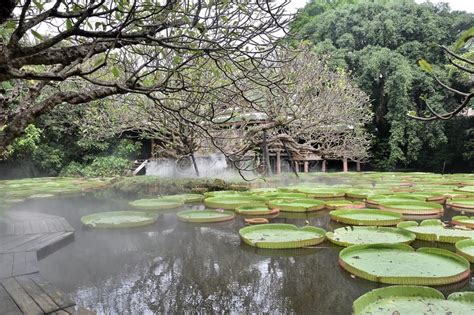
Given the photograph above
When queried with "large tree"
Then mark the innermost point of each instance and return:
(62, 51)
(380, 42)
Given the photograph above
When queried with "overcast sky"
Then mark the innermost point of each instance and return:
(464, 5)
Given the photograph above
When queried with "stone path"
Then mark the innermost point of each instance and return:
(24, 238)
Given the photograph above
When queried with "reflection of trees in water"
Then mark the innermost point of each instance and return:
(176, 267)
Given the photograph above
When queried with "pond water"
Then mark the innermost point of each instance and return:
(175, 267)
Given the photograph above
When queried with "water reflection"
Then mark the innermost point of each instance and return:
(175, 267)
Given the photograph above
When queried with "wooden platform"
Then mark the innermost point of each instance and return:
(25, 236)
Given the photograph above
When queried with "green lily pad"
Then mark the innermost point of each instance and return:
(358, 235)
(323, 192)
(280, 236)
(366, 217)
(156, 204)
(401, 264)
(206, 216)
(118, 219)
(229, 202)
(187, 198)
(336, 204)
(297, 205)
(465, 248)
(461, 204)
(413, 300)
(283, 195)
(463, 220)
(412, 207)
(436, 231)
(255, 210)
(467, 189)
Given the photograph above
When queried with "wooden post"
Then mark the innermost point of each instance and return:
(278, 162)
(323, 166)
(297, 167)
(358, 166)
(344, 165)
(306, 166)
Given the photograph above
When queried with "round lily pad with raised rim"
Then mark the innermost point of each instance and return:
(336, 204)
(156, 204)
(358, 235)
(230, 203)
(467, 189)
(374, 200)
(256, 221)
(366, 217)
(118, 219)
(405, 299)
(323, 192)
(461, 204)
(463, 220)
(465, 248)
(401, 264)
(205, 216)
(283, 195)
(436, 231)
(187, 198)
(280, 236)
(255, 210)
(297, 205)
(412, 207)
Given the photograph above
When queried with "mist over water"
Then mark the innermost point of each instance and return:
(175, 267)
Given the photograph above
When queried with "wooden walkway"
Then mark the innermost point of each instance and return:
(25, 237)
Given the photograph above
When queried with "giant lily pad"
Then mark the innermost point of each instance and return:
(338, 204)
(355, 235)
(374, 200)
(461, 204)
(187, 198)
(297, 205)
(401, 264)
(283, 195)
(466, 248)
(413, 300)
(156, 204)
(206, 216)
(280, 236)
(463, 220)
(418, 208)
(435, 230)
(467, 189)
(256, 210)
(118, 219)
(366, 217)
(230, 203)
(323, 192)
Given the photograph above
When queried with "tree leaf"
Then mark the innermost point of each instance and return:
(115, 71)
(465, 36)
(425, 65)
(37, 35)
(68, 24)
(99, 61)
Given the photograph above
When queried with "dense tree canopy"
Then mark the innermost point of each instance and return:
(61, 51)
(380, 42)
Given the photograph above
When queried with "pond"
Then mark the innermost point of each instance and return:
(176, 267)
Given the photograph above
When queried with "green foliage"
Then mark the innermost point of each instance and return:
(380, 43)
(127, 149)
(74, 169)
(106, 166)
(25, 145)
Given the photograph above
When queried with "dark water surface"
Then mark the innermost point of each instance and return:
(175, 267)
